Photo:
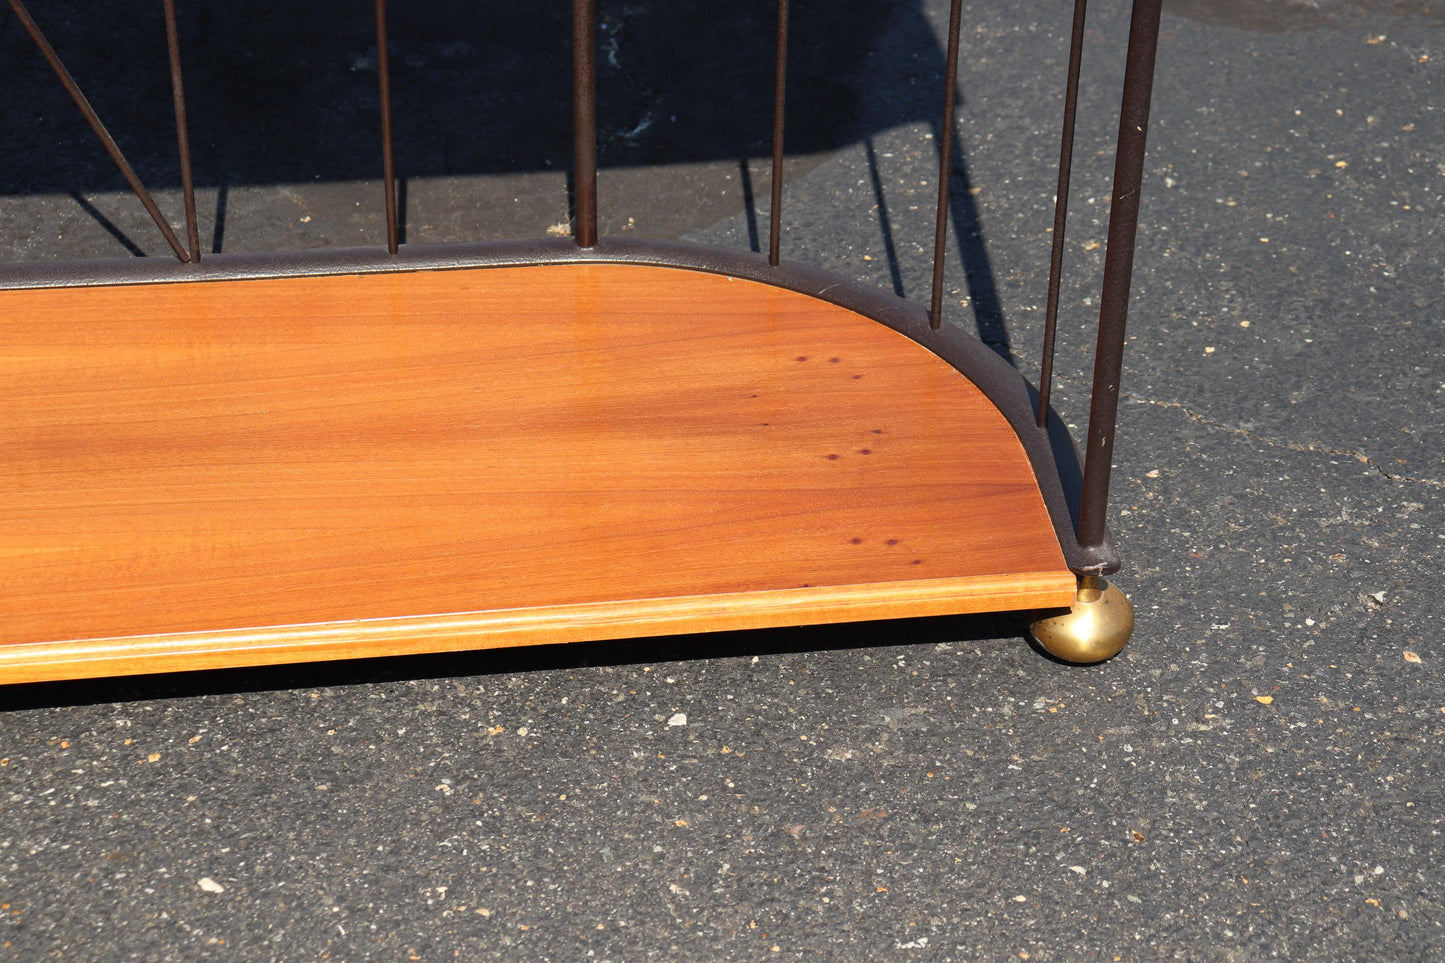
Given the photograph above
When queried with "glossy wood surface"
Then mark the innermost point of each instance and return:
(240, 471)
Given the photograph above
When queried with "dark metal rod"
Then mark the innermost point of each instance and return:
(945, 162)
(388, 168)
(1061, 212)
(584, 123)
(110, 145)
(183, 137)
(780, 88)
(1118, 268)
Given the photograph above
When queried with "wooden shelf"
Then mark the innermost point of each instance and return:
(252, 472)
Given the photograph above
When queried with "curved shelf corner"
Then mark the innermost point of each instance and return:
(239, 472)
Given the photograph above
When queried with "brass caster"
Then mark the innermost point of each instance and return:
(1094, 629)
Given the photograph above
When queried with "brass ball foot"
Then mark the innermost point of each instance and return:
(1094, 629)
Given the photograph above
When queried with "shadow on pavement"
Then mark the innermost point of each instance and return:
(523, 659)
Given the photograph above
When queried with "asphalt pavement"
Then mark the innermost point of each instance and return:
(1260, 775)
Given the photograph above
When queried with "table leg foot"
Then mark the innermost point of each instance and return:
(1094, 628)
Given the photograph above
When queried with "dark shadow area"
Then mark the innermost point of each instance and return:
(750, 207)
(999, 629)
(401, 185)
(288, 92)
(218, 234)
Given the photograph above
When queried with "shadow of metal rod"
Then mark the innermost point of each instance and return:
(885, 225)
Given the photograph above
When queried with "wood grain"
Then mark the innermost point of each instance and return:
(205, 464)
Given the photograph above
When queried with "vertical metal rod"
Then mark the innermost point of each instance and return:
(584, 123)
(183, 137)
(1061, 212)
(945, 162)
(1118, 268)
(110, 145)
(780, 88)
(388, 168)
